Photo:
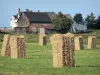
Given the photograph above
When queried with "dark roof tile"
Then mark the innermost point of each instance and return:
(39, 17)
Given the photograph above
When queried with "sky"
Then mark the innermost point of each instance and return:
(10, 7)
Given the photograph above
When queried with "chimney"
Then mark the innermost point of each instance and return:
(19, 10)
(27, 10)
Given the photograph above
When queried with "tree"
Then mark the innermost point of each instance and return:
(92, 17)
(78, 18)
(87, 18)
(61, 23)
(90, 20)
(98, 22)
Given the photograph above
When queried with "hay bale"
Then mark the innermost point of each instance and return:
(79, 43)
(69, 50)
(57, 50)
(51, 40)
(5, 46)
(91, 42)
(42, 39)
(63, 50)
(18, 47)
(13, 45)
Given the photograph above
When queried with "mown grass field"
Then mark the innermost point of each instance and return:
(39, 60)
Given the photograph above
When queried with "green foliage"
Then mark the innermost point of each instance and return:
(61, 22)
(87, 18)
(90, 20)
(98, 22)
(78, 18)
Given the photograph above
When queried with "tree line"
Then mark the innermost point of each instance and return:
(90, 20)
(62, 23)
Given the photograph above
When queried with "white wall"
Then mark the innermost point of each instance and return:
(13, 24)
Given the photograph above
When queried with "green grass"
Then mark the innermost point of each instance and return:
(39, 60)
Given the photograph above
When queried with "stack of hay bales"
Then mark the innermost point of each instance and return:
(6, 46)
(79, 43)
(63, 47)
(42, 39)
(18, 47)
(13, 46)
(91, 42)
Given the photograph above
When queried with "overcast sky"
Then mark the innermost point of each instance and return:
(9, 7)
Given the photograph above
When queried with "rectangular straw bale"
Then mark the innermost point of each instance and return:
(57, 50)
(63, 47)
(6, 46)
(79, 43)
(69, 49)
(13, 45)
(18, 47)
(42, 39)
(91, 42)
(21, 47)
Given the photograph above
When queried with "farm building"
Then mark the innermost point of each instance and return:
(75, 27)
(31, 22)
(39, 22)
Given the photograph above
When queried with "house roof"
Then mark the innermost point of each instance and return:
(15, 16)
(50, 14)
(37, 17)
